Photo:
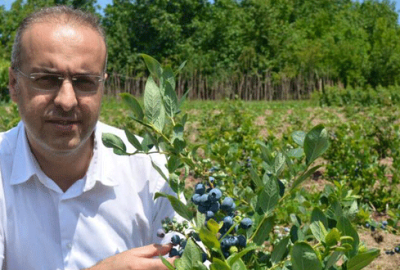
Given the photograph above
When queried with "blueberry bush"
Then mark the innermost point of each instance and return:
(248, 209)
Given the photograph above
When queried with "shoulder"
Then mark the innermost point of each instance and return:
(8, 139)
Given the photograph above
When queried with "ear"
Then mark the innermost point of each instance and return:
(12, 84)
(105, 76)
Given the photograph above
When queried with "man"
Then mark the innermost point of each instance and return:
(66, 201)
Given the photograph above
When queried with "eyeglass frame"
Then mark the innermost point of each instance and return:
(61, 78)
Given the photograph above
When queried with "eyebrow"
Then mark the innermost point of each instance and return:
(55, 71)
(44, 70)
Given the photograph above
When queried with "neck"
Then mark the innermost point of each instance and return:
(66, 169)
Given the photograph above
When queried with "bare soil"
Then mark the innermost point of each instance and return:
(389, 242)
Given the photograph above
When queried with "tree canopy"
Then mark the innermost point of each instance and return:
(295, 45)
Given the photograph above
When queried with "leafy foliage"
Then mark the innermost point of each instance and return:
(318, 243)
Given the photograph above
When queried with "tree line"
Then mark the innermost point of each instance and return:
(255, 49)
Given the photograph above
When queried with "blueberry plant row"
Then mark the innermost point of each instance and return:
(227, 227)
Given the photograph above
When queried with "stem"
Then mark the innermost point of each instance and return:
(258, 228)
(280, 264)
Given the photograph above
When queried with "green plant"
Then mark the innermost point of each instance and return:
(319, 242)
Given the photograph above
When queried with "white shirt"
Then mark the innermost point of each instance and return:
(109, 211)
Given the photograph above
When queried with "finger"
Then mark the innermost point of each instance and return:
(152, 250)
(157, 264)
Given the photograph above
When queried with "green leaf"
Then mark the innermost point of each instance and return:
(179, 145)
(256, 179)
(180, 68)
(174, 163)
(316, 143)
(295, 153)
(133, 105)
(184, 119)
(279, 164)
(213, 226)
(167, 263)
(133, 140)
(304, 257)
(113, 141)
(318, 230)
(175, 183)
(154, 108)
(333, 259)
(239, 265)
(279, 250)
(177, 132)
(234, 257)
(298, 137)
(269, 196)
(304, 177)
(332, 238)
(147, 143)
(152, 65)
(200, 219)
(158, 169)
(262, 232)
(168, 76)
(183, 98)
(208, 238)
(191, 256)
(217, 264)
(362, 259)
(345, 227)
(318, 215)
(178, 206)
(295, 220)
(170, 100)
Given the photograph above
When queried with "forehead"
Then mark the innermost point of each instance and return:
(47, 43)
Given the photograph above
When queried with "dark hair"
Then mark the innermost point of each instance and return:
(57, 14)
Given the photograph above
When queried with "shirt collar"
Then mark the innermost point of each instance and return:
(25, 165)
(100, 168)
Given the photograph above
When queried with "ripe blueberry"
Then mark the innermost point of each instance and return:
(196, 199)
(214, 207)
(205, 200)
(200, 189)
(227, 204)
(228, 222)
(202, 209)
(175, 239)
(209, 214)
(174, 252)
(215, 194)
(242, 241)
(246, 223)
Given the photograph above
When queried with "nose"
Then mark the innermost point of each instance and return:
(66, 96)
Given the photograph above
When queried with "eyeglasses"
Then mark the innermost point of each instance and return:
(50, 82)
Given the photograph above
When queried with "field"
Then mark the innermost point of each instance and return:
(361, 165)
(363, 153)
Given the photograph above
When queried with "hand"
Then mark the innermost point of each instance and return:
(137, 259)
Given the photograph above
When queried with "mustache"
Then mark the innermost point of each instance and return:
(60, 113)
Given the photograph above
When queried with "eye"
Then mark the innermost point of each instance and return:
(46, 81)
(85, 83)
(47, 78)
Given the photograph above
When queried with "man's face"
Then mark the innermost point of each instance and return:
(61, 121)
